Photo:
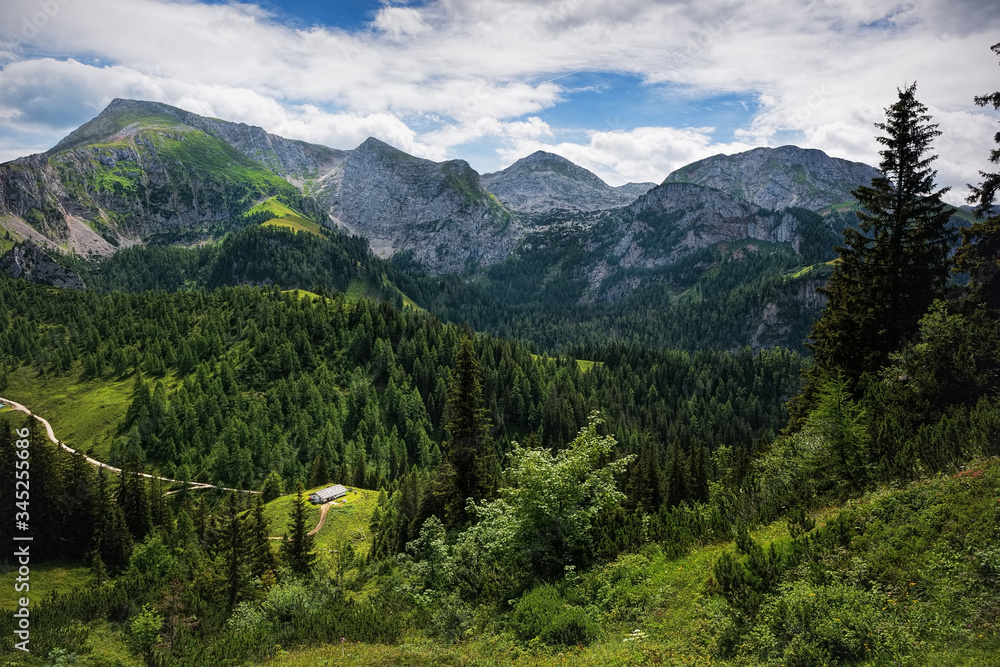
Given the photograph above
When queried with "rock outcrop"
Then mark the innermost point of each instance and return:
(29, 262)
(438, 211)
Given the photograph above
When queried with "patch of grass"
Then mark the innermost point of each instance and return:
(801, 272)
(285, 216)
(668, 596)
(348, 519)
(82, 414)
(361, 289)
(46, 578)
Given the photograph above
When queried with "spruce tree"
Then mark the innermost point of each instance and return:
(647, 483)
(297, 546)
(259, 547)
(980, 251)
(469, 449)
(893, 265)
(678, 475)
(319, 474)
(78, 505)
(111, 540)
(133, 499)
(233, 548)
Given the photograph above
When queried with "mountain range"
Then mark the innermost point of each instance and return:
(543, 230)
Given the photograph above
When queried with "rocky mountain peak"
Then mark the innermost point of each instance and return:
(776, 178)
(544, 182)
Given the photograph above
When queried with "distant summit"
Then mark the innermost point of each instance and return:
(776, 178)
(543, 182)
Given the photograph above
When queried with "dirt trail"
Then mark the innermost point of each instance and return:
(322, 520)
(94, 462)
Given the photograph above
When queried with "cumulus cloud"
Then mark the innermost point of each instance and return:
(644, 154)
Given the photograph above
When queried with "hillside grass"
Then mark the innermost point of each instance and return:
(45, 579)
(285, 216)
(346, 521)
(363, 289)
(583, 364)
(668, 593)
(932, 536)
(83, 414)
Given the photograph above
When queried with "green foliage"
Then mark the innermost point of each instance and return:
(934, 406)
(273, 487)
(980, 251)
(152, 560)
(894, 569)
(808, 624)
(470, 461)
(543, 615)
(545, 516)
(297, 546)
(144, 632)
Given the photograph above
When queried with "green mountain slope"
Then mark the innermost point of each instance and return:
(133, 174)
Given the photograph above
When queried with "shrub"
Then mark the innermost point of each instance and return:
(543, 614)
(817, 625)
(570, 626)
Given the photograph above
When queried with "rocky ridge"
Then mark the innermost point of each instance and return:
(777, 178)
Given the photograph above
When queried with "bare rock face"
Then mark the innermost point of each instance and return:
(674, 220)
(438, 211)
(545, 182)
(777, 178)
(29, 262)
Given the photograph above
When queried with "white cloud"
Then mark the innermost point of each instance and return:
(399, 21)
(645, 154)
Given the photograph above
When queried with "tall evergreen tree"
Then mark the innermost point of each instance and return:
(469, 449)
(133, 499)
(678, 475)
(111, 542)
(297, 546)
(233, 548)
(261, 558)
(980, 251)
(647, 483)
(8, 472)
(47, 491)
(78, 505)
(319, 473)
(893, 265)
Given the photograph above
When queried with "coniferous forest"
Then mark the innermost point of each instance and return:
(624, 496)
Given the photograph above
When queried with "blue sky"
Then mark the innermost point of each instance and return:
(630, 89)
(347, 14)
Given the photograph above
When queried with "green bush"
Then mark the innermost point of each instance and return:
(569, 627)
(534, 611)
(817, 625)
(542, 613)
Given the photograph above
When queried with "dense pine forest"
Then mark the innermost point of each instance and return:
(617, 502)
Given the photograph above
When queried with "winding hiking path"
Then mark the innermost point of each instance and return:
(192, 486)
